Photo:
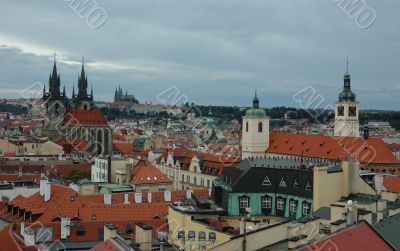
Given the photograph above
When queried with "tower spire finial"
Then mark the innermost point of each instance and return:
(347, 65)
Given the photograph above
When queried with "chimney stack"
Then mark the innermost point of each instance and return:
(143, 235)
(110, 231)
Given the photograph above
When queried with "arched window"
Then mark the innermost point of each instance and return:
(247, 126)
(260, 127)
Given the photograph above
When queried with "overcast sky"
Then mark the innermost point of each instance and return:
(214, 52)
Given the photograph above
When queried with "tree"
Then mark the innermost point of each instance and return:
(76, 174)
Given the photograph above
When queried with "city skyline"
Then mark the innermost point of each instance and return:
(213, 57)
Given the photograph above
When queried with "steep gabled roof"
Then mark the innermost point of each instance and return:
(372, 150)
(85, 117)
(145, 173)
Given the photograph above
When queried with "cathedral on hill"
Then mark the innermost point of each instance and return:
(75, 119)
(119, 97)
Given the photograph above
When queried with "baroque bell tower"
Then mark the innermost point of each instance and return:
(255, 131)
(347, 110)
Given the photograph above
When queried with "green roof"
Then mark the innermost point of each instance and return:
(255, 112)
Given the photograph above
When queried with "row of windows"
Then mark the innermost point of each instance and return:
(266, 203)
(260, 127)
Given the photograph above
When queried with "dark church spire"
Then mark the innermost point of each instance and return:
(255, 100)
(54, 81)
(82, 83)
(347, 94)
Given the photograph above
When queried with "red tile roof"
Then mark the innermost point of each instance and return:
(372, 150)
(145, 173)
(85, 206)
(107, 245)
(118, 137)
(8, 242)
(123, 148)
(392, 184)
(85, 117)
(358, 238)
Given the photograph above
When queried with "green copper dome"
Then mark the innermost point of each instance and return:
(255, 111)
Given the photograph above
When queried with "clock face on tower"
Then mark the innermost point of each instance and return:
(352, 111)
(340, 110)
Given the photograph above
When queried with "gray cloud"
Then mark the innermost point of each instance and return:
(215, 52)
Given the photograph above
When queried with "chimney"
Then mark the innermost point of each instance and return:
(29, 237)
(110, 231)
(350, 216)
(126, 198)
(47, 191)
(107, 199)
(65, 227)
(42, 187)
(143, 233)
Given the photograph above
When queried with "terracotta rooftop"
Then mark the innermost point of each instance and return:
(358, 238)
(372, 150)
(145, 173)
(392, 184)
(85, 117)
(123, 148)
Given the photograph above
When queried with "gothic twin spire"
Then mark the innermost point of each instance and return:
(54, 84)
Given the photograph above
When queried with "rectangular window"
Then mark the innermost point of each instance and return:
(208, 183)
(183, 178)
(188, 179)
(293, 205)
(195, 180)
(306, 209)
(280, 204)
(244, 202)
(266, 202)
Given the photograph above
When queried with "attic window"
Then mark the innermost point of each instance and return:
(266, 181)
(148, 178)
(283, 182)
(296, 184)
(155, 178)
(308, 186)
(328, 152)
(72, 198)
(93, 217)
(303, 142)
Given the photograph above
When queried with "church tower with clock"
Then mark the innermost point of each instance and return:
(347, 111)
